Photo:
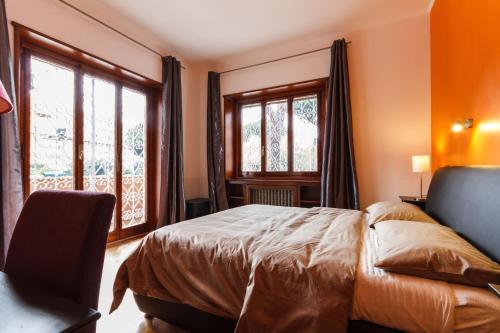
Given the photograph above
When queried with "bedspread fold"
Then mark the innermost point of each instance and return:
(274, 269)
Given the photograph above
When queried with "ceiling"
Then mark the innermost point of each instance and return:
(213, 29)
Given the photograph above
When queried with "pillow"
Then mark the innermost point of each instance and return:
(393, 210)
(432, 251)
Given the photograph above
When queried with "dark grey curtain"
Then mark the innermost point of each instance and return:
(172, 202)
(339, 184)
(215, 146)
(11, 200)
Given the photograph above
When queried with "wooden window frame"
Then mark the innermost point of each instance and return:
(232, 117)
(29, 42)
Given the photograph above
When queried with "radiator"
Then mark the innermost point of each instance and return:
(276, 196)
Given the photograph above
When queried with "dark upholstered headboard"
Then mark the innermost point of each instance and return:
(467, 199)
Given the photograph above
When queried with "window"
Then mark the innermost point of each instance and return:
(305, 129)
(279, 133)
(251, 131)
(276, 136)
(84, 129)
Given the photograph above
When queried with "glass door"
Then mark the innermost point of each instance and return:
(51, 126)
(86, 131)
(99, 136)
(134, 105)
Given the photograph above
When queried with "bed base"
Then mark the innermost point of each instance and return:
(197, 321)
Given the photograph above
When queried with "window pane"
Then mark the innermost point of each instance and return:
(277, 136)
(51, 126)
(99, 136)
(305, 133)
(133, 163)
(251, 117)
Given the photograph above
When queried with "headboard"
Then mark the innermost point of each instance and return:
(467, 199)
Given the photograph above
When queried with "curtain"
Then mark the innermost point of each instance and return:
(11, 200)
(172, 202)
(215, 146)
(10, 151)
(339, 184)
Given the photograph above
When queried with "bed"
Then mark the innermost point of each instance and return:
(211, 280)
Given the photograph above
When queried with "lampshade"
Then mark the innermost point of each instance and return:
(5, 103)
(421, 163)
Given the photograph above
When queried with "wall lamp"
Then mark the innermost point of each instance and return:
(489, 126)
(460, 126)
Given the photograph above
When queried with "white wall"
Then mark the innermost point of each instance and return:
(390, 88)
(58, 21)
(390, 92)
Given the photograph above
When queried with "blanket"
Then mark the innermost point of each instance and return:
(274, 269)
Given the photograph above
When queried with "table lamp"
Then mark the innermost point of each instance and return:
(421, 164)
(5, 103)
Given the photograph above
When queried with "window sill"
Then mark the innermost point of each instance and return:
(282, 180)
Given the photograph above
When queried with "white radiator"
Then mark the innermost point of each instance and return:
(276, 196)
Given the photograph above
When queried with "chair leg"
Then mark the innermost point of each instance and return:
(149, 320)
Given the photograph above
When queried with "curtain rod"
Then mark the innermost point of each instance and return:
(111, 28)
(279, 59)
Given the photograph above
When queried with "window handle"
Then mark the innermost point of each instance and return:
(262, 151)
(80, 152)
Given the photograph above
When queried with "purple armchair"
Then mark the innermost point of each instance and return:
(59, 243)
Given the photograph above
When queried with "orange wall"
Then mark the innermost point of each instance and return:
(465, 81)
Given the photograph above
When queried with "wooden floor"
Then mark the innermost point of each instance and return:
(127, 318)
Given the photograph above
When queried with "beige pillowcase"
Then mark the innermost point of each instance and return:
(432, 251)
(393, 210)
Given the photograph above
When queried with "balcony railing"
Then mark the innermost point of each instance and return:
(133, 192)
